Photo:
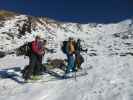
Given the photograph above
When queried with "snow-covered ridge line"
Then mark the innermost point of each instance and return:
(21, 28)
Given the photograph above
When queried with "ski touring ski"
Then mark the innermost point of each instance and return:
(61, 78)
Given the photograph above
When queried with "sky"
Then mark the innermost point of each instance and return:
(82, 11)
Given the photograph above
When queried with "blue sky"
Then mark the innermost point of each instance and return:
(83, 11)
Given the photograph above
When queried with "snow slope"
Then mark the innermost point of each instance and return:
(108, 61)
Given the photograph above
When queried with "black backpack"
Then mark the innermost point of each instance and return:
(25, 49)
(64, 47)
(28, 48)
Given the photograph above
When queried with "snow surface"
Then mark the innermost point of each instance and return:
(108, 62)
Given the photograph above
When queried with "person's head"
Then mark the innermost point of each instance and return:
(70, 39)
(37, 38)
(78, 40)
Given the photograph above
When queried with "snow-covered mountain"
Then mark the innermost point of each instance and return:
(108, 61)
(16, 29)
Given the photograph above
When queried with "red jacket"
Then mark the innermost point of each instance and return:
(37, 47)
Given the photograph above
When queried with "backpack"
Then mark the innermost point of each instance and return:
(28, 48)
(64, 47)
(80, 58)
(25, 49)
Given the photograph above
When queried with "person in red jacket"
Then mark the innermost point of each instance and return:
(35, 63)
(37, 46)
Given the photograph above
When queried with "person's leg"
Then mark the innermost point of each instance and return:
(81, 60)
(78, 64)
(30, 67)
(34, 63)
(68, 65)
(71, 62)
(38, 66)
(75, 63)
(42, 68)
(78, 60)
(25, 72)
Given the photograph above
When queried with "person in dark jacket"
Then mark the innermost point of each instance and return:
(79, 58)
(35, 60)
